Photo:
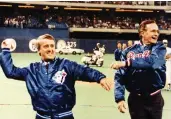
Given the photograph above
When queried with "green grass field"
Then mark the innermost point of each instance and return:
(93, 102)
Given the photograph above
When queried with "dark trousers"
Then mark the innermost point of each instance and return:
(67, 117)
(145, 107)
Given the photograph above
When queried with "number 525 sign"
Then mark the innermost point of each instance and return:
(71, 44)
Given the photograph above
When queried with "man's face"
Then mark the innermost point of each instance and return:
(124, 46)
(165, 44)
(130, 43)
(47, 49)
(119, 45)
(98, 45)
(151, 34)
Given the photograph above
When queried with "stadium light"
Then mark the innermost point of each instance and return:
(5, 5)
(168, 11)
(86, 9)
(129, 10)
(46, 8)
(56, 8)
(26, 6)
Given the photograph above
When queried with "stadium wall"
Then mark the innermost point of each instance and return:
(23, 36)
(86, 41)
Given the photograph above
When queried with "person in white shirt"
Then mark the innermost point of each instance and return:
(168, 65)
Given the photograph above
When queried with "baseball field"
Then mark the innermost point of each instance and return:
(93, 102)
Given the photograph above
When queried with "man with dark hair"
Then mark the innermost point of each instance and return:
(51, 81)
(97, 47)
(142, 72)
(118, 51)
(124, 46)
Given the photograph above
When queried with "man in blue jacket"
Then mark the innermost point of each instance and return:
(50, 82)
(142, 72)
(118, 51)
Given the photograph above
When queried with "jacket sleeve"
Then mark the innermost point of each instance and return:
(9, 69)
(84, 73)
(155, 60)
(119, 87)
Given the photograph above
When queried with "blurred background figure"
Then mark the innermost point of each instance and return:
(168, 65)
(130, 43)
(118, 51)
(124, 46)
(97, 47)
(102, 49)
(137, 42)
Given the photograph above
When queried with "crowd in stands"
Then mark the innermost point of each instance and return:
(22, 22)
(156, 3)
(81, 19)
(33, 22)
(117, 22)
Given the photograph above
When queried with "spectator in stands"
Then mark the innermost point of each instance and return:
(136, 25)
(84, 20)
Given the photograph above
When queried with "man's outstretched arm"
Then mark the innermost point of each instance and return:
(88, 74)
(154, 60)
(7, 64)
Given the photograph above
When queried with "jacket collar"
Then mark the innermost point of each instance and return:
(51, 65)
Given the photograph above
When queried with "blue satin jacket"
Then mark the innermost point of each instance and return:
(117, 54)
(50, 85)
(146, 73)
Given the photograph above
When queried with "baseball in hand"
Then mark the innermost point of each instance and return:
(9, 43)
